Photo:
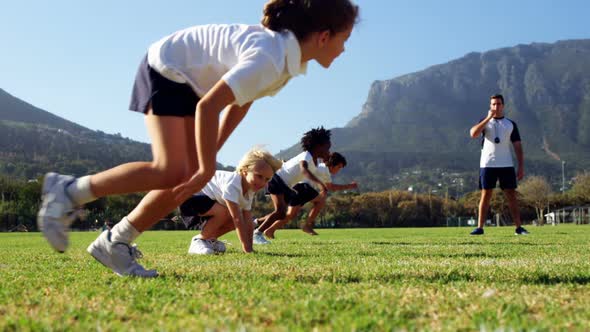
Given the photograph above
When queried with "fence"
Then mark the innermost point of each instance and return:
(572, 214)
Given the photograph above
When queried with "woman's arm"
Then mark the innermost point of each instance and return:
(230, 119)
(206, 131)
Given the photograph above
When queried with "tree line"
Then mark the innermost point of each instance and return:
(19, 202)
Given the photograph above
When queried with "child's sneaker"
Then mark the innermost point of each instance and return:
(200, 247)
(477, 231)
(119, 257)
(259, 238)
(307, 229)
(521, 231)
(57, 211)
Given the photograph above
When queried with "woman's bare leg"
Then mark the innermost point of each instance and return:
(170, 144)
(177, 151)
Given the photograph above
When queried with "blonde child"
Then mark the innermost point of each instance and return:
(224, 204)
(182, 86)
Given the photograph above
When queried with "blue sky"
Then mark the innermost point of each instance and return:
(77, 59)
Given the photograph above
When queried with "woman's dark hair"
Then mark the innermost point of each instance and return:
(302, 17)
(336, 159)
(315, 137)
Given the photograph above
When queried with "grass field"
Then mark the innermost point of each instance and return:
(342, 280)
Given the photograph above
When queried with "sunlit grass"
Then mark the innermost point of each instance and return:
(356, 279)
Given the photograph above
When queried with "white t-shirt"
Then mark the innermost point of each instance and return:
(323, 174)
(498, 154)
(254, 61)
(291, 172)
(226, 185)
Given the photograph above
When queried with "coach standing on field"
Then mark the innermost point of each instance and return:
(496, 163)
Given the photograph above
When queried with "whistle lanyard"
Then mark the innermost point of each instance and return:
(496, 136)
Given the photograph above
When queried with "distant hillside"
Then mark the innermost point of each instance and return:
(16, 110)
(421, 120)
(34, 141)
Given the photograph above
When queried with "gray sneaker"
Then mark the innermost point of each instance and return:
(57, 210)
(218, 246)
(119, 257)
(201, 247)
(259, 238)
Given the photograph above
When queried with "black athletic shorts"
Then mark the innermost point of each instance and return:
(488, 176)
(305, 193)
(276, 186)
(192, 209)
(168, 98)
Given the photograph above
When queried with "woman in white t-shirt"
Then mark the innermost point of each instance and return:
(224, 204)
(183, 84)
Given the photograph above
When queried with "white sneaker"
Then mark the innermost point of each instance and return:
(119, 257)
(57, 210)
(218, 246)
(201, 247)
(259, 238)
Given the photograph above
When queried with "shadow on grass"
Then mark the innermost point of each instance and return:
(466, 255)
(541, 279)
(544, 279)
(282, 254)
(193, 276)
(442, 277)
(478, 243)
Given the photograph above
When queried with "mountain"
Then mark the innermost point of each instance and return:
(420, 121)
(15, 110)
(34, 141)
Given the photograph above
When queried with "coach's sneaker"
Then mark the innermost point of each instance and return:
(218, 246)
(521, 231)
(57, 211)
(477, 231)
(201, 247)
(119, 257)
(259, 238)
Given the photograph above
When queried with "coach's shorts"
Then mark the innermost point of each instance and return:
(305, 193)
(192, 209)
(168, 98)
(488, 176)
(276, 186)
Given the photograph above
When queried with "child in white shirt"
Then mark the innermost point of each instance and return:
(310, 192)
(315, 144)
(225, 203)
